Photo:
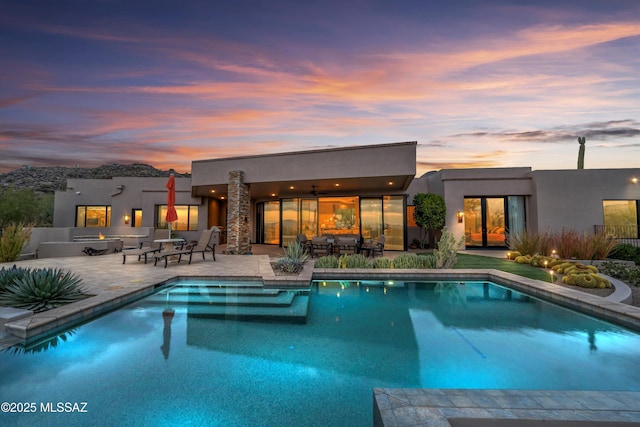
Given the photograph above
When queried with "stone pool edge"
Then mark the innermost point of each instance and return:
(615, 312)
(75, 313)
(448, 407)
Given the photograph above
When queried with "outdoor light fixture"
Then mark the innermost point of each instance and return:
(126, 219)
(460, 215)
(634, 180)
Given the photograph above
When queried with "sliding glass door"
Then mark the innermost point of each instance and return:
(485, 220)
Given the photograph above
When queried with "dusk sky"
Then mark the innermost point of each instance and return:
(482, 83)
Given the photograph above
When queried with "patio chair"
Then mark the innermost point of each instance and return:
(320, 246)
(144, 251)
(204, 245)
(378, 248)
(306, 244)
(349, 243)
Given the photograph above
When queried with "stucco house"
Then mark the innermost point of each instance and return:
(366, 190)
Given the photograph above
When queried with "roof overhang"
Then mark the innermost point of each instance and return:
(365, 170)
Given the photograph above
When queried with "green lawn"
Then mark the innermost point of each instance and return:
(525, 270)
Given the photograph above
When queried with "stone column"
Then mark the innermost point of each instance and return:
(238, 210)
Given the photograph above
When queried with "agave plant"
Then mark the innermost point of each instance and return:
(9, 275)
(296, 251)
(42, 346)
(294, 259)
(42, 289)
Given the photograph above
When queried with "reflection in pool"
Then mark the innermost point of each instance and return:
(164, 359)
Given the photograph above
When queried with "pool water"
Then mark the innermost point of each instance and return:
(147, 365)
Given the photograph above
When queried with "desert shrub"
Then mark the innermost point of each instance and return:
(25, 206)
(12, 239)
(42, 289)
(326, 262)
(353, 261)
(382, 262)
(294, 258)
(626, 252)
(567, 244)
(447, 249)
(602, 245)
(427, 261)
(546, 244)
(406, 261)
(526, 242)
(627, 274)
(585, 248)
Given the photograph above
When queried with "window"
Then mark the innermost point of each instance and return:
(339, 215)
(93, 216)
(411, 220)
(271, 227)
(621, 218)
(137, 218)
(393, 215)
(187, 217)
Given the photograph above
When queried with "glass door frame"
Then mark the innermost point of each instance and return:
(484, 218)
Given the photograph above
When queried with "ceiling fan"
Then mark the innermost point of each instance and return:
(314, 192)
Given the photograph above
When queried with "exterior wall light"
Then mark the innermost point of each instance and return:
(127, 218)
(634, 180)
(460, 216)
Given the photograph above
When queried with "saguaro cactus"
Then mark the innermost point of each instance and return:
(581, 141)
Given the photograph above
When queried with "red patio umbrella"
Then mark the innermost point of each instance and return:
(172, 215)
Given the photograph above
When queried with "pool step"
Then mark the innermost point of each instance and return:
(219, 291)
(296, 312)
(236, 302)
(275, 300)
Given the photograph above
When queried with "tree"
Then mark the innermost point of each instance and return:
(430, 213)
(25, 206)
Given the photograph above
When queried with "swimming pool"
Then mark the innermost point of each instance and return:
(150, 365)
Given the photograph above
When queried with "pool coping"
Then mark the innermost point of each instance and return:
(615, 312)
(396, 414)
(60, 318)
(465, 407)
